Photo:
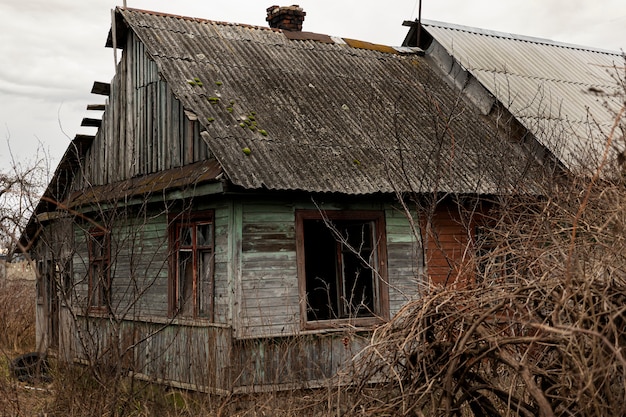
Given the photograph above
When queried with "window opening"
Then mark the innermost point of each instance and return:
(99, 270)
(193, 276)
(341, 266)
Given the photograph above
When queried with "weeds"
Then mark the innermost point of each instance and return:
(17, 316)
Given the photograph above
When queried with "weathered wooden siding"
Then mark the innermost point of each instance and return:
(449, 251)
(293, 362)
(256, 290)
(139, 262)
(190, 353)
(187, 355)
(139, 268)
(145, 128)
(405, 258)
(268, 291)
(53, 253)
(80, 267)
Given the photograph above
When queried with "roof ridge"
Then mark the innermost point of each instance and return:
(295, 35)
(197, 19)
(517, 37)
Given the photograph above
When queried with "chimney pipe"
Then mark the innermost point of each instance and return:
(286, 17)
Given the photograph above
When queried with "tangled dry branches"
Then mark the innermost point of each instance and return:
(539, 331)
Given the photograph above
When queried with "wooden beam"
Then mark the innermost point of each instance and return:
(101, 88)
(91, 122)
(96, 107)
(82, 141)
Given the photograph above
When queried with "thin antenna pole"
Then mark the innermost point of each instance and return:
(419, 23)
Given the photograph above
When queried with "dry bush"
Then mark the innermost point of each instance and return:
(9, 401)
(17, 335)
(538, 330)
(17, 316)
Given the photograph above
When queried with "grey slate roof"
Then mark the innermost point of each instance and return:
(566, 95)
(331, 115)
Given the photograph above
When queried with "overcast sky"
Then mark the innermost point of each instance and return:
(53, 50)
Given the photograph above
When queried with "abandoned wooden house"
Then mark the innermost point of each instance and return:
(249, 201)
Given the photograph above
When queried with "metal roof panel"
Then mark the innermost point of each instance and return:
(551, 87)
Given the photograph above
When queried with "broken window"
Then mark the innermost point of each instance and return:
(341, 265)
(191, 282)
(99, 269)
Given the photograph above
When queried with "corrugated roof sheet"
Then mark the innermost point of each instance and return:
(566, 95)
(326, 117)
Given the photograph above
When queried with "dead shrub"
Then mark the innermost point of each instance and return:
(537, 331)
(17, 316)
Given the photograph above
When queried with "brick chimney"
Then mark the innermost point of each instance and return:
(286, 18)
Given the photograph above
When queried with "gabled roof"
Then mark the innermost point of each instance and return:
(566, 95)
(301, 111)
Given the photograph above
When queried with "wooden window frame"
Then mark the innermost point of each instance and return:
(176, 224)
(101, 261)
(380, 280)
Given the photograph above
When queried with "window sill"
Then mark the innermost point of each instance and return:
(365, 323)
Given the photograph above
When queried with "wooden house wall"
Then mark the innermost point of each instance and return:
(186, 355)
(268, 295)
(305, 361)
(256, 338)
(191, 353)
(139, 261)
(144, 127)
(138, 258)
(405, 258)
(139, 264)
(449, 250)
(53, 252)
(269, 349)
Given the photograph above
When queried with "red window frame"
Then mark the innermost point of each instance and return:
(192, 248)
(99, 291)
(380, 291)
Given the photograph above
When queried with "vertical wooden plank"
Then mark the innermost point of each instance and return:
(196, 141)
(131, 87)
(142, 119)
(138, 121)
(167, 121)
(234, 260)
(188, 141)
(151, 99)
(163, 119)
(176, 133)
(106, 168)
(119, 144)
